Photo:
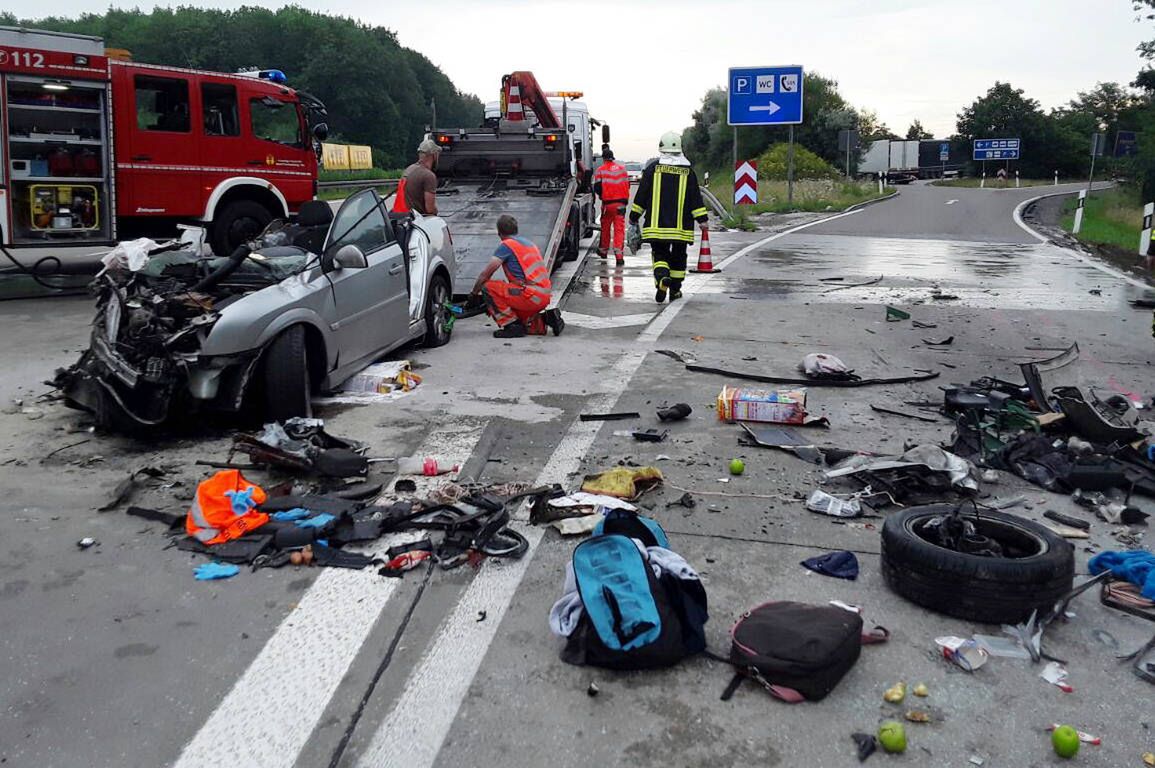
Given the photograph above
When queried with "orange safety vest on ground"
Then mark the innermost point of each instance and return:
(399, 204)
(212, 519)
(615, 181)
(532, 264)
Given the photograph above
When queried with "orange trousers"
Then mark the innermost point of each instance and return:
(613, 225)
(508, 303)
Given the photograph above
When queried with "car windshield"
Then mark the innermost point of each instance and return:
(633, 166)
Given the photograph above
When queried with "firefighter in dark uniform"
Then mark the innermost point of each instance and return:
(669, 198)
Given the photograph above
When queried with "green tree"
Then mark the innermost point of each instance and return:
(917, 133)
(1005, 112)
(709, 140)
(774, 162)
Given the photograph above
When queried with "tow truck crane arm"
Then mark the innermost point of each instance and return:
(519, 90)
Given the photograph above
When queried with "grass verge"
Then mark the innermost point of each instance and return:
(1111, 217)
(809, 195)
(993, 183)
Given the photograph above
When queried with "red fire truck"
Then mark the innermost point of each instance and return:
(96, 148)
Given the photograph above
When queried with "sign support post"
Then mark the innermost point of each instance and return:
(1145, 237)
(790, 169)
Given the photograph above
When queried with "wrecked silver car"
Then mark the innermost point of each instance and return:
(293, 313)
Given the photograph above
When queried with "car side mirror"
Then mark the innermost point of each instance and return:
(350, 257)
(321, 131)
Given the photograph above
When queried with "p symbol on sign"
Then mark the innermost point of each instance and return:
(741, 84)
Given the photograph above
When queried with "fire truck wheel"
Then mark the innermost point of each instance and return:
(237, 223)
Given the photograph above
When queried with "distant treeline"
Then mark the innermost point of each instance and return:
(377, 91)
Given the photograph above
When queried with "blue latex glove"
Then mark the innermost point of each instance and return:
(291, 514)
(242, 501)
(316, 521)
(211, 571)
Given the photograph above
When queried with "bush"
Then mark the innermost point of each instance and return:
(807, 165)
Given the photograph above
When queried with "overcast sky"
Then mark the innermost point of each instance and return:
(644, 65)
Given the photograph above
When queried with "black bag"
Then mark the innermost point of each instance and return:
(797, 651)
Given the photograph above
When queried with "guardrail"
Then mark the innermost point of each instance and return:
(357, 184)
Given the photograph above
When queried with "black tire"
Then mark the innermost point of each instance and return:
(286, 369)
(237, 223)
(995, 590)
(436, 334)
(572, 244)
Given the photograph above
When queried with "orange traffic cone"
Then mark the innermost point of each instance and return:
(705, 260)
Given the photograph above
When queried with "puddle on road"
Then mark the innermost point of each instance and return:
(987, 275)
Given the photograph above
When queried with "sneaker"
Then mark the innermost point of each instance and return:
(554, 320)
(660, 295)
(511, 331)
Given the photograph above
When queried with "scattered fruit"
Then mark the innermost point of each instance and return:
(892, 736)
(1149, 758)
(307, 555)
(896, 693)
(295, 558)
(1065, 740)
(921, 690)
(737, 466)
(918, 716)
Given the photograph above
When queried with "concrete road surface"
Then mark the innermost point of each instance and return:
(115, 656)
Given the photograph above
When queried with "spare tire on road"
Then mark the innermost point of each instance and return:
(1037, 566)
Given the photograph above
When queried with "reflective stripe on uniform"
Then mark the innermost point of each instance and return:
(204, 531)
(532, 264)
(698, 213)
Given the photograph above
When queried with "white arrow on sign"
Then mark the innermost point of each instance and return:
(769, 109)
(745, 194)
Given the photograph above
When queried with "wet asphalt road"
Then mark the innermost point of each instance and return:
(115, 656)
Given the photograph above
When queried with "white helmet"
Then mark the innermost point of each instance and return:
(671, 143)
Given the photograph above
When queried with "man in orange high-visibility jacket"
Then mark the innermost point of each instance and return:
(519, 302)
(612, 185)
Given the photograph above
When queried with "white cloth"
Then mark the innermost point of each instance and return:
(665, 158)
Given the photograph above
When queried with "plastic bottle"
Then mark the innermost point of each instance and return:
(423, 465)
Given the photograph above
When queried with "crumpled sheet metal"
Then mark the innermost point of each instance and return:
(929, 456)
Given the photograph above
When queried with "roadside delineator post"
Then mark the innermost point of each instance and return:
(1056, 178)
(1016, 179)
(983, 181)
(1145, 236)
(1079, 212)
(880, 182)
(705, 260)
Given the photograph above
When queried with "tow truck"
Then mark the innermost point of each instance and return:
(524, 161)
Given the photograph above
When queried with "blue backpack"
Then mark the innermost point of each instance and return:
(632, 618)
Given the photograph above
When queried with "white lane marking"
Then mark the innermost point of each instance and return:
(597, 323)
(950, 202)
(412, 734)
(1104, 268)
(259, 722)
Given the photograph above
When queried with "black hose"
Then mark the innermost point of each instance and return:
(236, 258)
(35, 271)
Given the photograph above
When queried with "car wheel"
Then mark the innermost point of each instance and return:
(239, 222)
(436, 315)
(287, 390)
(1037, 568)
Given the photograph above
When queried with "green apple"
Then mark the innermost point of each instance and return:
(1065, 740)
(892, 736)
(737, 466)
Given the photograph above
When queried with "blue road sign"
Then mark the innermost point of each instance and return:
(766, 96)
(943, 152)
(997, 149)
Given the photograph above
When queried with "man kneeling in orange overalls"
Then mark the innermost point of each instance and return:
(519, 303)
